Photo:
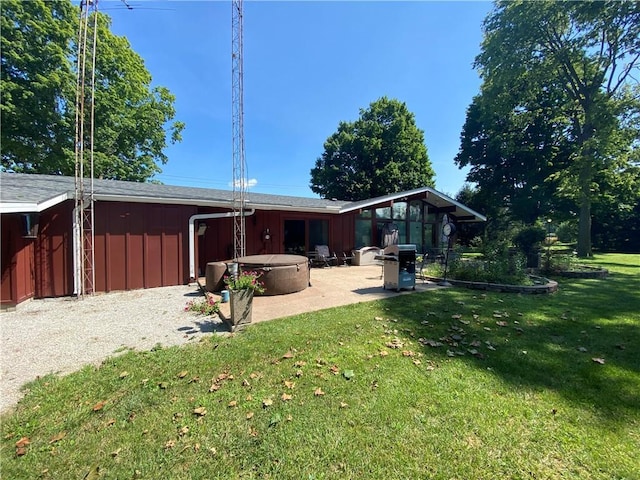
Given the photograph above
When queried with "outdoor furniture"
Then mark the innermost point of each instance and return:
(346, 260)
(324, 257)
(365, 256)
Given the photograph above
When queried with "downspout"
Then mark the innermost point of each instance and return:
(77, 272)
(192, 231)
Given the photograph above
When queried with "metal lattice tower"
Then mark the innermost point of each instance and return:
(83, 230)
(237, 111)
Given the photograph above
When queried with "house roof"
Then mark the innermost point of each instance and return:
(439, 200)
(28, 193)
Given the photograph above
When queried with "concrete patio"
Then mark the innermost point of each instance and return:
(330, 287)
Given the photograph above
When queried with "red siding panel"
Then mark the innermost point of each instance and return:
(17, 281)
(54, 252)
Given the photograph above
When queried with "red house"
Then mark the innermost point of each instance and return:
(148, 235)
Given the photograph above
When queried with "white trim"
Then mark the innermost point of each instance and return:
(19, 207)
(192, 235)
(409, 193)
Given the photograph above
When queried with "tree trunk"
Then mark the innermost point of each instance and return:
(584, 229)
(585, 179)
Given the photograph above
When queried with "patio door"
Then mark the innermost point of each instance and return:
(295, 237)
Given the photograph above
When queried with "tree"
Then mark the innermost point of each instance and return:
(582, 54)
(380, 153)
(39, 43)
(512, 154)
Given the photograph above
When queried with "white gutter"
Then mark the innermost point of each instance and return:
(77, 254)
(192, 233)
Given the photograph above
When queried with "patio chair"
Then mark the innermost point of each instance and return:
(347, 260)
(324, 257)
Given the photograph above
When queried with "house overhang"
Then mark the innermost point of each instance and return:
(439, 201)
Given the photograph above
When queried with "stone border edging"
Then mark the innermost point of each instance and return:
(588, 272)
(549, 286)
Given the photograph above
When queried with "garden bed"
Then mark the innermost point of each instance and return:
(583, 271)
(540, 285)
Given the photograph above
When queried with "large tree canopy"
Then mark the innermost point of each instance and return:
(559, 76)
(133, 119)
(380, 153)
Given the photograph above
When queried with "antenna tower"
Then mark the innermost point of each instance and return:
(83, 230)
(239, 183)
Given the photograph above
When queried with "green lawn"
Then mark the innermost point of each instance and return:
(451, 384)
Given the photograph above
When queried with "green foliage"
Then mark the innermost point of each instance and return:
(246, 280)
(380, 153)
(133, 120)
(529, 238)
(567, 232)
(205, 306)
(557, 113)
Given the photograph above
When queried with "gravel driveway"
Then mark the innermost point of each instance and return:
(60, 335)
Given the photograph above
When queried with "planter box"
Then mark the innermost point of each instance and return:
(241, 302)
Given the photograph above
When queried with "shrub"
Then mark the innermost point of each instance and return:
(206, 306)
(567, 232)
(529, 238)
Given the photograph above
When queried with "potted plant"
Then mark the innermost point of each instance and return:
(242, 287)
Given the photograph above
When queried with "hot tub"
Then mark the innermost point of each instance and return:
(281, 273)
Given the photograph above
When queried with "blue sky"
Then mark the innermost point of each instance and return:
(307, 66)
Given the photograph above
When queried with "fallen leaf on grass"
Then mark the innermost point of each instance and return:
(383, 353)
(249, 415)
(343, 405)
(335, 369)
(299, 373)
(124, 374)
(21, 446)
(115, 453)
(288, 355)
(93, 474)
(99, 406)
(502, 323)
(58, 437)
(182, 431)
(318, 392)
(267, 402)
(598, 360)
(110, 422)
(289, 384)
(232, 404)
(215, 387)
(201, 411)
(395, 343)
(182, 374)
(169, 444)
(285, 397)
(348, 374)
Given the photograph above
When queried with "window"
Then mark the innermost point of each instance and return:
(318, 233)
(363, 233)
(399, 211)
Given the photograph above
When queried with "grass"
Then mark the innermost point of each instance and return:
(358, 392)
